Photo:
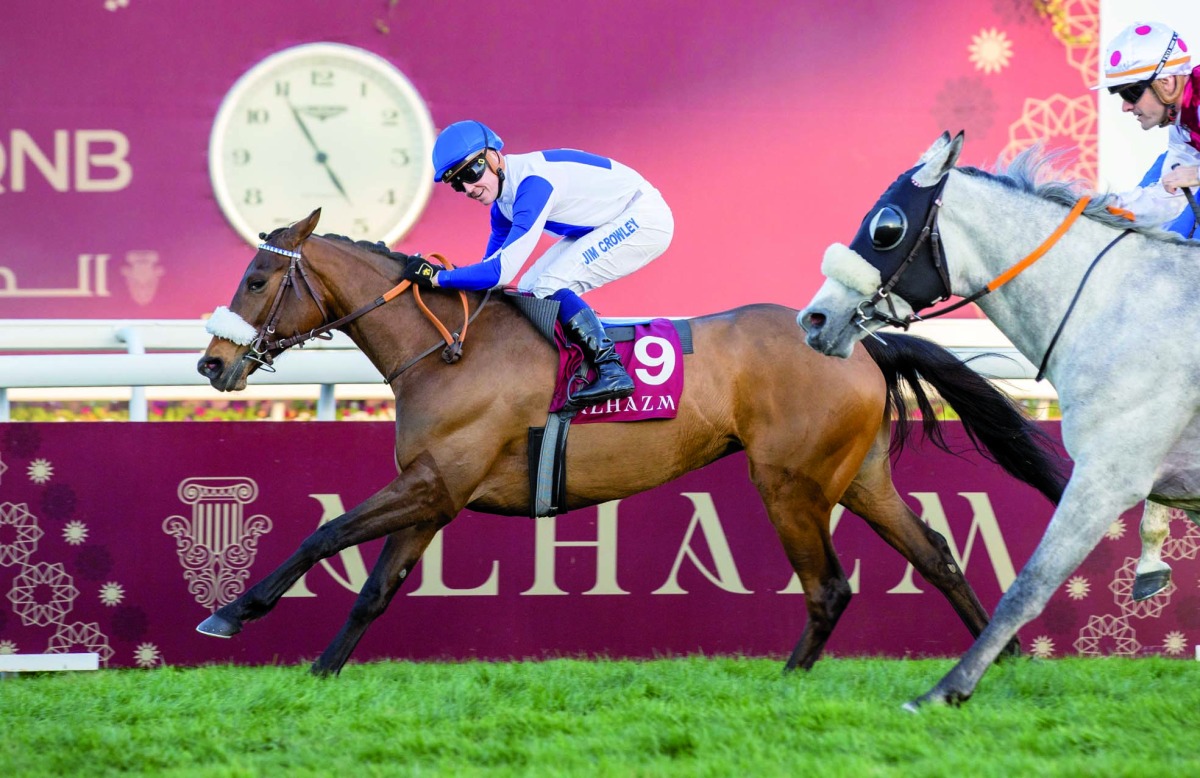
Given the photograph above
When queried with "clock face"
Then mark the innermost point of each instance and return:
(322, 125)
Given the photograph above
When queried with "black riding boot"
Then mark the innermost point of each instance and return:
(612, 382)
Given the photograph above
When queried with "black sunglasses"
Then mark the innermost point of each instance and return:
(1131, 93)
(469, 172)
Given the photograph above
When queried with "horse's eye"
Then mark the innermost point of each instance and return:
(888, 226)
(256, 284)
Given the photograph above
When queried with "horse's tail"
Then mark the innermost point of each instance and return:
(997, 426)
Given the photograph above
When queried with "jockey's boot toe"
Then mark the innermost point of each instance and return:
(612, 383)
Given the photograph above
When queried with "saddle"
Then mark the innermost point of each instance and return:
(548, 444)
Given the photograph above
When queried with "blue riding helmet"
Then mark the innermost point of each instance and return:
(459, 141)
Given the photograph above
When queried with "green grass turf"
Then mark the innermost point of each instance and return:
(687, 717)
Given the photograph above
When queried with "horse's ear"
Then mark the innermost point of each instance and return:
(939, 159)
(302, 229)
(937, 146)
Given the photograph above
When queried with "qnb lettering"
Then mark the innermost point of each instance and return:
(86, 160)
(610, 241)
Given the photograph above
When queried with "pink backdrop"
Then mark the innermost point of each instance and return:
(769, 127)
(90, 558)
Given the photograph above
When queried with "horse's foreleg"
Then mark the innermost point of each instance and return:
(1153, 574)
(1088, 507)
(417, 496)
(873, 496)
(399, 555)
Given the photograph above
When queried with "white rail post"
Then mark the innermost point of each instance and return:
(326, 404)
(137, 394)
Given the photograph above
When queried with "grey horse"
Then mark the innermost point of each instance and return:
(1100, 303)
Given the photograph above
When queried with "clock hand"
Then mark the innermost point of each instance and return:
(334, 178)
(322, 157)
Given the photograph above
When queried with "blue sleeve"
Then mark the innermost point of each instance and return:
(529, 208)
(516, 240)
(472, 278)
(500, 229)
(485, 274)
(1186, 221)
(1185, 225)
(1155, 172)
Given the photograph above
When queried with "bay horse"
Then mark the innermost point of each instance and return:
(461, 432)
(1099, 302)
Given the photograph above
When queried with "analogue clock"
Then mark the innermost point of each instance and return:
(322, 125)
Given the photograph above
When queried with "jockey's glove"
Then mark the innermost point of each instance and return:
(420, 271)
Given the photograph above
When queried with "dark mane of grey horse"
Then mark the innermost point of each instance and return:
(1026, 171)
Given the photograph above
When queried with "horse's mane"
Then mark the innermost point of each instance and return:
(376, 247)
(1034, 171)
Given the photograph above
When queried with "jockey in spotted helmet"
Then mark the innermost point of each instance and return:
(608, 220)
(1149, 67)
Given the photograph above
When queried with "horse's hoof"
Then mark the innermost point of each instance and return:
(1146, 585)
(925, 700)
(937, 697)
(219, 627)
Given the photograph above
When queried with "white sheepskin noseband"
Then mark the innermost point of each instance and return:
(846, 266)
(226, 324)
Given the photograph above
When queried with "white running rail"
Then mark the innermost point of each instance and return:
(88, 358)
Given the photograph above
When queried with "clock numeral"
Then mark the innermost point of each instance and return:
(361, 227)
(322, 78)
(240, 156)
(391, 117)
(257, 116)
(389, 197)
(252, 197)
(401, 157)
(283, 88)
(362, 89)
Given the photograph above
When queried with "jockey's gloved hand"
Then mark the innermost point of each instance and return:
(420, 271)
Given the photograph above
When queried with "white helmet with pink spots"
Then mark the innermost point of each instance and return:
(1144, 51)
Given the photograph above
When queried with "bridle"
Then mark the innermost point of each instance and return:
(868, 310)
(264, 346)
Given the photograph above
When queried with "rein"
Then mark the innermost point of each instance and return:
(262, 345)
(867, 310)
(1191, 198)
(1041, 373)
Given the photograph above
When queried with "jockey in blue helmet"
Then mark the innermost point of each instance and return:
(608, 219)
(459, 141)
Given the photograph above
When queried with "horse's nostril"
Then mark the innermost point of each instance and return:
(812, 321)
(210, 367)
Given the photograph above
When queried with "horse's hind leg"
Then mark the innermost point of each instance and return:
(873, 496)
(1153, 574)
(400, 553)
(416, 496)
